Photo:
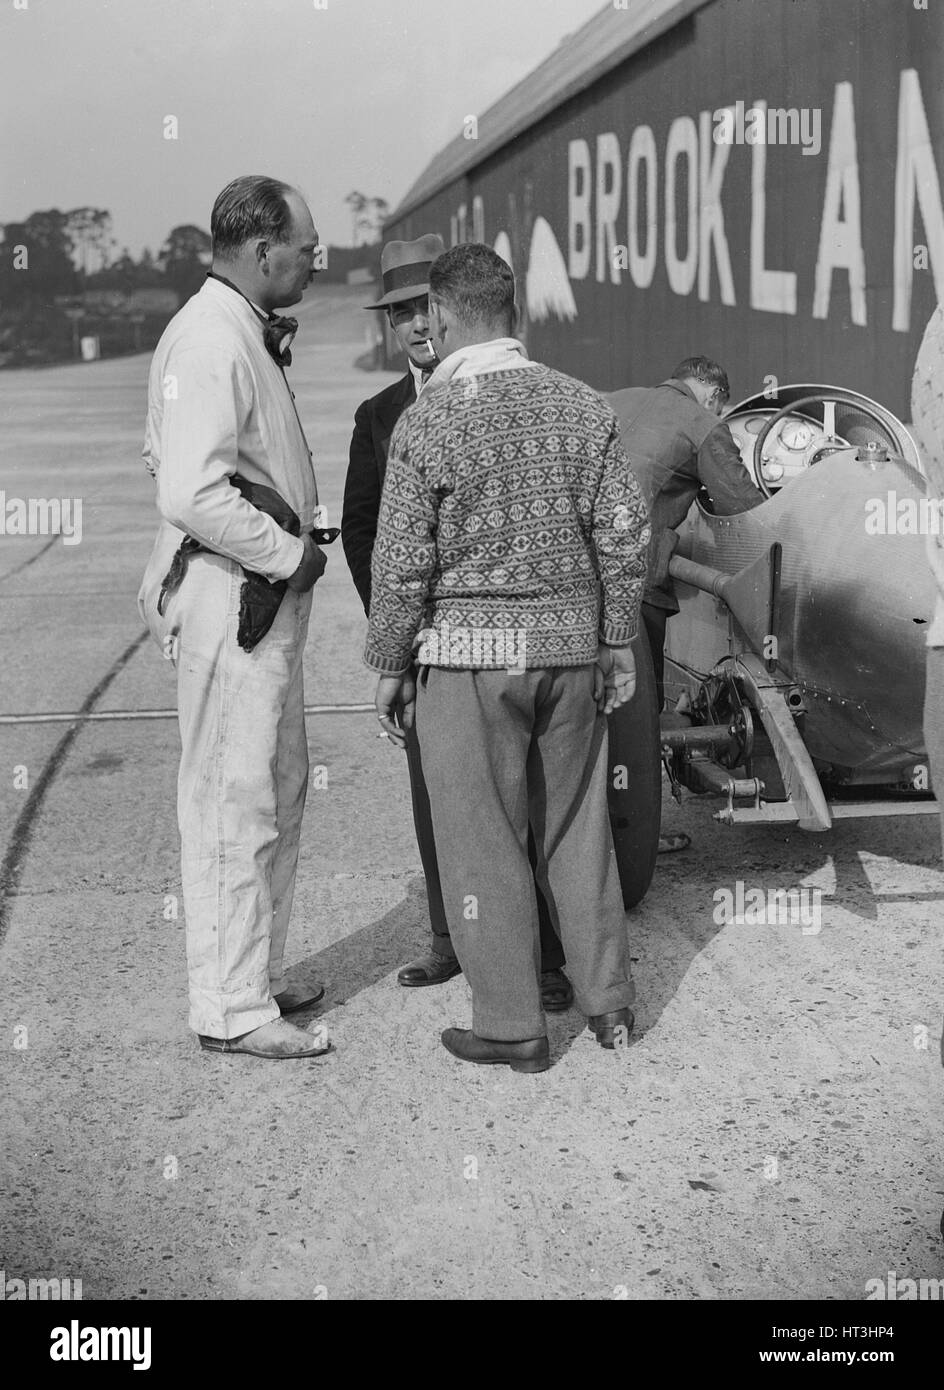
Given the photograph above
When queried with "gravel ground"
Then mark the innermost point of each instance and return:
(772, 1131)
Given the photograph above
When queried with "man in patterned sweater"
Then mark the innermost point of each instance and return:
(405, 269)
(512, 542)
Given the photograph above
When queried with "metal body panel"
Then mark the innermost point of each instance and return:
(852, 612)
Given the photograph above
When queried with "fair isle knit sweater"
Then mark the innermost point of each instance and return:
(512, 532)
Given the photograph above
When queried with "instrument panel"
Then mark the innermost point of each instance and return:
(789, 450)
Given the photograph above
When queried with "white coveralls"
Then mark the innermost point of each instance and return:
(218, 404)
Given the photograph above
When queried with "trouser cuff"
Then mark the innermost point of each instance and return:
(508, 1030)
(218, 1021)
(608, 1000)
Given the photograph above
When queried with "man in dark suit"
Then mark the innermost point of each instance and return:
(405, 272)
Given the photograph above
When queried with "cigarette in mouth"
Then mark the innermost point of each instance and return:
(429, 347)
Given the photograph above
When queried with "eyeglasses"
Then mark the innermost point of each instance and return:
(407, 311)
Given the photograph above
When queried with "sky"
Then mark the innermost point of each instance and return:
(329, 95)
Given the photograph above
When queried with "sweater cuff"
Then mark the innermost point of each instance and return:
(618, 634)
(385, 665)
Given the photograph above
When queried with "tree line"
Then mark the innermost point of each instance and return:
(63, 278)
(56, 253)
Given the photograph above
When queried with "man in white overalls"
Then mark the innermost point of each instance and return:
(220, 408)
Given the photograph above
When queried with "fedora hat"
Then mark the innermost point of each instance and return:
(404, 266)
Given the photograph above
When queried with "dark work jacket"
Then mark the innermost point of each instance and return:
(374, 421)
(676, 446)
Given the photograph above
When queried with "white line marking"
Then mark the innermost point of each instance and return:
(100, 716)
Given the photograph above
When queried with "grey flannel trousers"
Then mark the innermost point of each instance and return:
(500, 747)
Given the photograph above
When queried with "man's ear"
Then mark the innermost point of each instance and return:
(437, 322)
(261, 252)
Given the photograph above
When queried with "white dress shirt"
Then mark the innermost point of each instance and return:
(417, 374)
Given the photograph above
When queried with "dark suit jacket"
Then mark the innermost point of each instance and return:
(675, 446)
(373, 425)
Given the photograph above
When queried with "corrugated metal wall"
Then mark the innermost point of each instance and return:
(816, 265)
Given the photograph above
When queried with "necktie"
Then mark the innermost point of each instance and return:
(425, 375)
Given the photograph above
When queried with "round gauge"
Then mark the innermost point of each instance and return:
(755, 423)
(796, 435)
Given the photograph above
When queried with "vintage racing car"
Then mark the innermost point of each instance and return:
(795, 667)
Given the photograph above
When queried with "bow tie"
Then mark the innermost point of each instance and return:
(277, 332)
(277, 336)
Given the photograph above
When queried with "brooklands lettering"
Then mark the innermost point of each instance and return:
(633, 197)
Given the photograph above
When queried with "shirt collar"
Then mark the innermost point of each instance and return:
(681, 387)
(214, 279)
(497, 355)
(417, 374)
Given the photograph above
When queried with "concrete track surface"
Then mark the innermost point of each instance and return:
(771, 1132)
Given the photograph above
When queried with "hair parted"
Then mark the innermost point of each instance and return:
(704, 370)
(475, 284)
(248, 207)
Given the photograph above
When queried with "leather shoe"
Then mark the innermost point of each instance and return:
(431, 969)
(530, 1055)
(557, 993)
(298, 997)
(607, 1026)
(277, 1040)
